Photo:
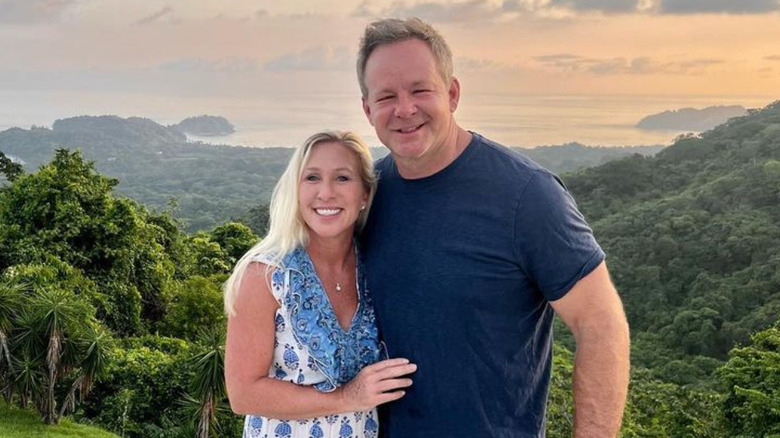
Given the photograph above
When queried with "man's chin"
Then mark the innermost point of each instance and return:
(408, 149)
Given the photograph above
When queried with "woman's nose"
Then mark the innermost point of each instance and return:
(326, 190)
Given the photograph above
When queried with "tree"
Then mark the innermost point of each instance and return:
(751, 378)
(195, 305)
(208, 384)
(10, 300)
(66, 211)
(234, 238)
(258, 219)
(9, 169)
(209, 257)
(56, 342)
(142, 387)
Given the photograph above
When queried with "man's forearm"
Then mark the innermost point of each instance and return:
(601, 374)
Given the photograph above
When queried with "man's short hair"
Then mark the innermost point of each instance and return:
(393, 30)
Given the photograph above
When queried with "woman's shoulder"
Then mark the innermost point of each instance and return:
(292, 260)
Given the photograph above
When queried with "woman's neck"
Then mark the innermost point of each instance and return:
(330, 254)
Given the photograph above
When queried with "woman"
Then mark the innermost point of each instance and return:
(302, 345)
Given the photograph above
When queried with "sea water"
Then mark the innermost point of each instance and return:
(512, 119)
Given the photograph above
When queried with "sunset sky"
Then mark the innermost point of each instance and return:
(243, 49)
(711, 47)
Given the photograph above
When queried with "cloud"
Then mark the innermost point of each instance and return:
(363, 10)
(155, 17)
(224, 65)
(315, 58)
(562, 61)
(597, 5)
(718, 6)
(611, 66)
(33, 11)
(476, 10)
(465, 64)
(470, 10)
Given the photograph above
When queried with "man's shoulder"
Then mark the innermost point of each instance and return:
(383, 165)
(505, 160)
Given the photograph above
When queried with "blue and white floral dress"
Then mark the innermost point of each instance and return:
(312, 349)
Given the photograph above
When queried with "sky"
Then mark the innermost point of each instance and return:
(262, 49)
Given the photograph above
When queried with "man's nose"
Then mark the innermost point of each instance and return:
(405, 107)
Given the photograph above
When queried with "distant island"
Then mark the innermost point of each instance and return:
(206, 126)
(692, 119)
(211, 183)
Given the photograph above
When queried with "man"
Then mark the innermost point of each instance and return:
(470, 248)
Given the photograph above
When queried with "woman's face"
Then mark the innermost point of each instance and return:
(331, 191)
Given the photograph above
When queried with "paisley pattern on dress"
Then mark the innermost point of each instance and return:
(339, 354)
(312, 349)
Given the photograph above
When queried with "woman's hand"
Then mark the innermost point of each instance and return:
(377, 384)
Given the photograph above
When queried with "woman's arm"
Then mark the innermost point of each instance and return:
(249, 352)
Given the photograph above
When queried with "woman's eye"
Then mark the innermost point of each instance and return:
(342, 178)
(312, 178)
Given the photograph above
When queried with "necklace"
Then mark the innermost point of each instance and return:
(342, 274)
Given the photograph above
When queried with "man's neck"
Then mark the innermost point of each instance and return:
(438, 158)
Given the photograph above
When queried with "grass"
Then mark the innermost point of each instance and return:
(19, 423)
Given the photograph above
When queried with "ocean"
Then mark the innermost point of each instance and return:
(512, 119)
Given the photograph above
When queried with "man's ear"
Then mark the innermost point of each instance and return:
(454, 94)
(366, 110)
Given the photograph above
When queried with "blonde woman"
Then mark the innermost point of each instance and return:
(302, 352)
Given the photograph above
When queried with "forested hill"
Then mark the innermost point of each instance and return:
(693, 242)
(211, 184)
(99, 297)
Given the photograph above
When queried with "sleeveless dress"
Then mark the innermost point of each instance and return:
(312, 349)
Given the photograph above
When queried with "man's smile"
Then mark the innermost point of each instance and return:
(409, 129)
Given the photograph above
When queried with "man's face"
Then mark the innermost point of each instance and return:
(408, 103)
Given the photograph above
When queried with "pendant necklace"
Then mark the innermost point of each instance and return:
(342, 274)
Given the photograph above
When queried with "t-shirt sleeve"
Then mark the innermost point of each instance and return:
(553, 244)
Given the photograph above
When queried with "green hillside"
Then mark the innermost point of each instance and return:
(19, 423)
(693, 242)
(211, 184)
(692, 237)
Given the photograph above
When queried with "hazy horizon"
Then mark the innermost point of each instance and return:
(513, 119)
(578, 70)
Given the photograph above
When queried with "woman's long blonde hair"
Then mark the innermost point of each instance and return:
(287, 229)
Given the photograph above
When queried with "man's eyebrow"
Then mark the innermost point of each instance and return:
(384, 91)
(421, 82)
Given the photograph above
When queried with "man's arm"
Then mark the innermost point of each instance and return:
(593, 311)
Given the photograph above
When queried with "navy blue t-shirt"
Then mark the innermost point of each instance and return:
(462, 266)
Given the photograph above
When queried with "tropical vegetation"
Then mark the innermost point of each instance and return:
(110, 314)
